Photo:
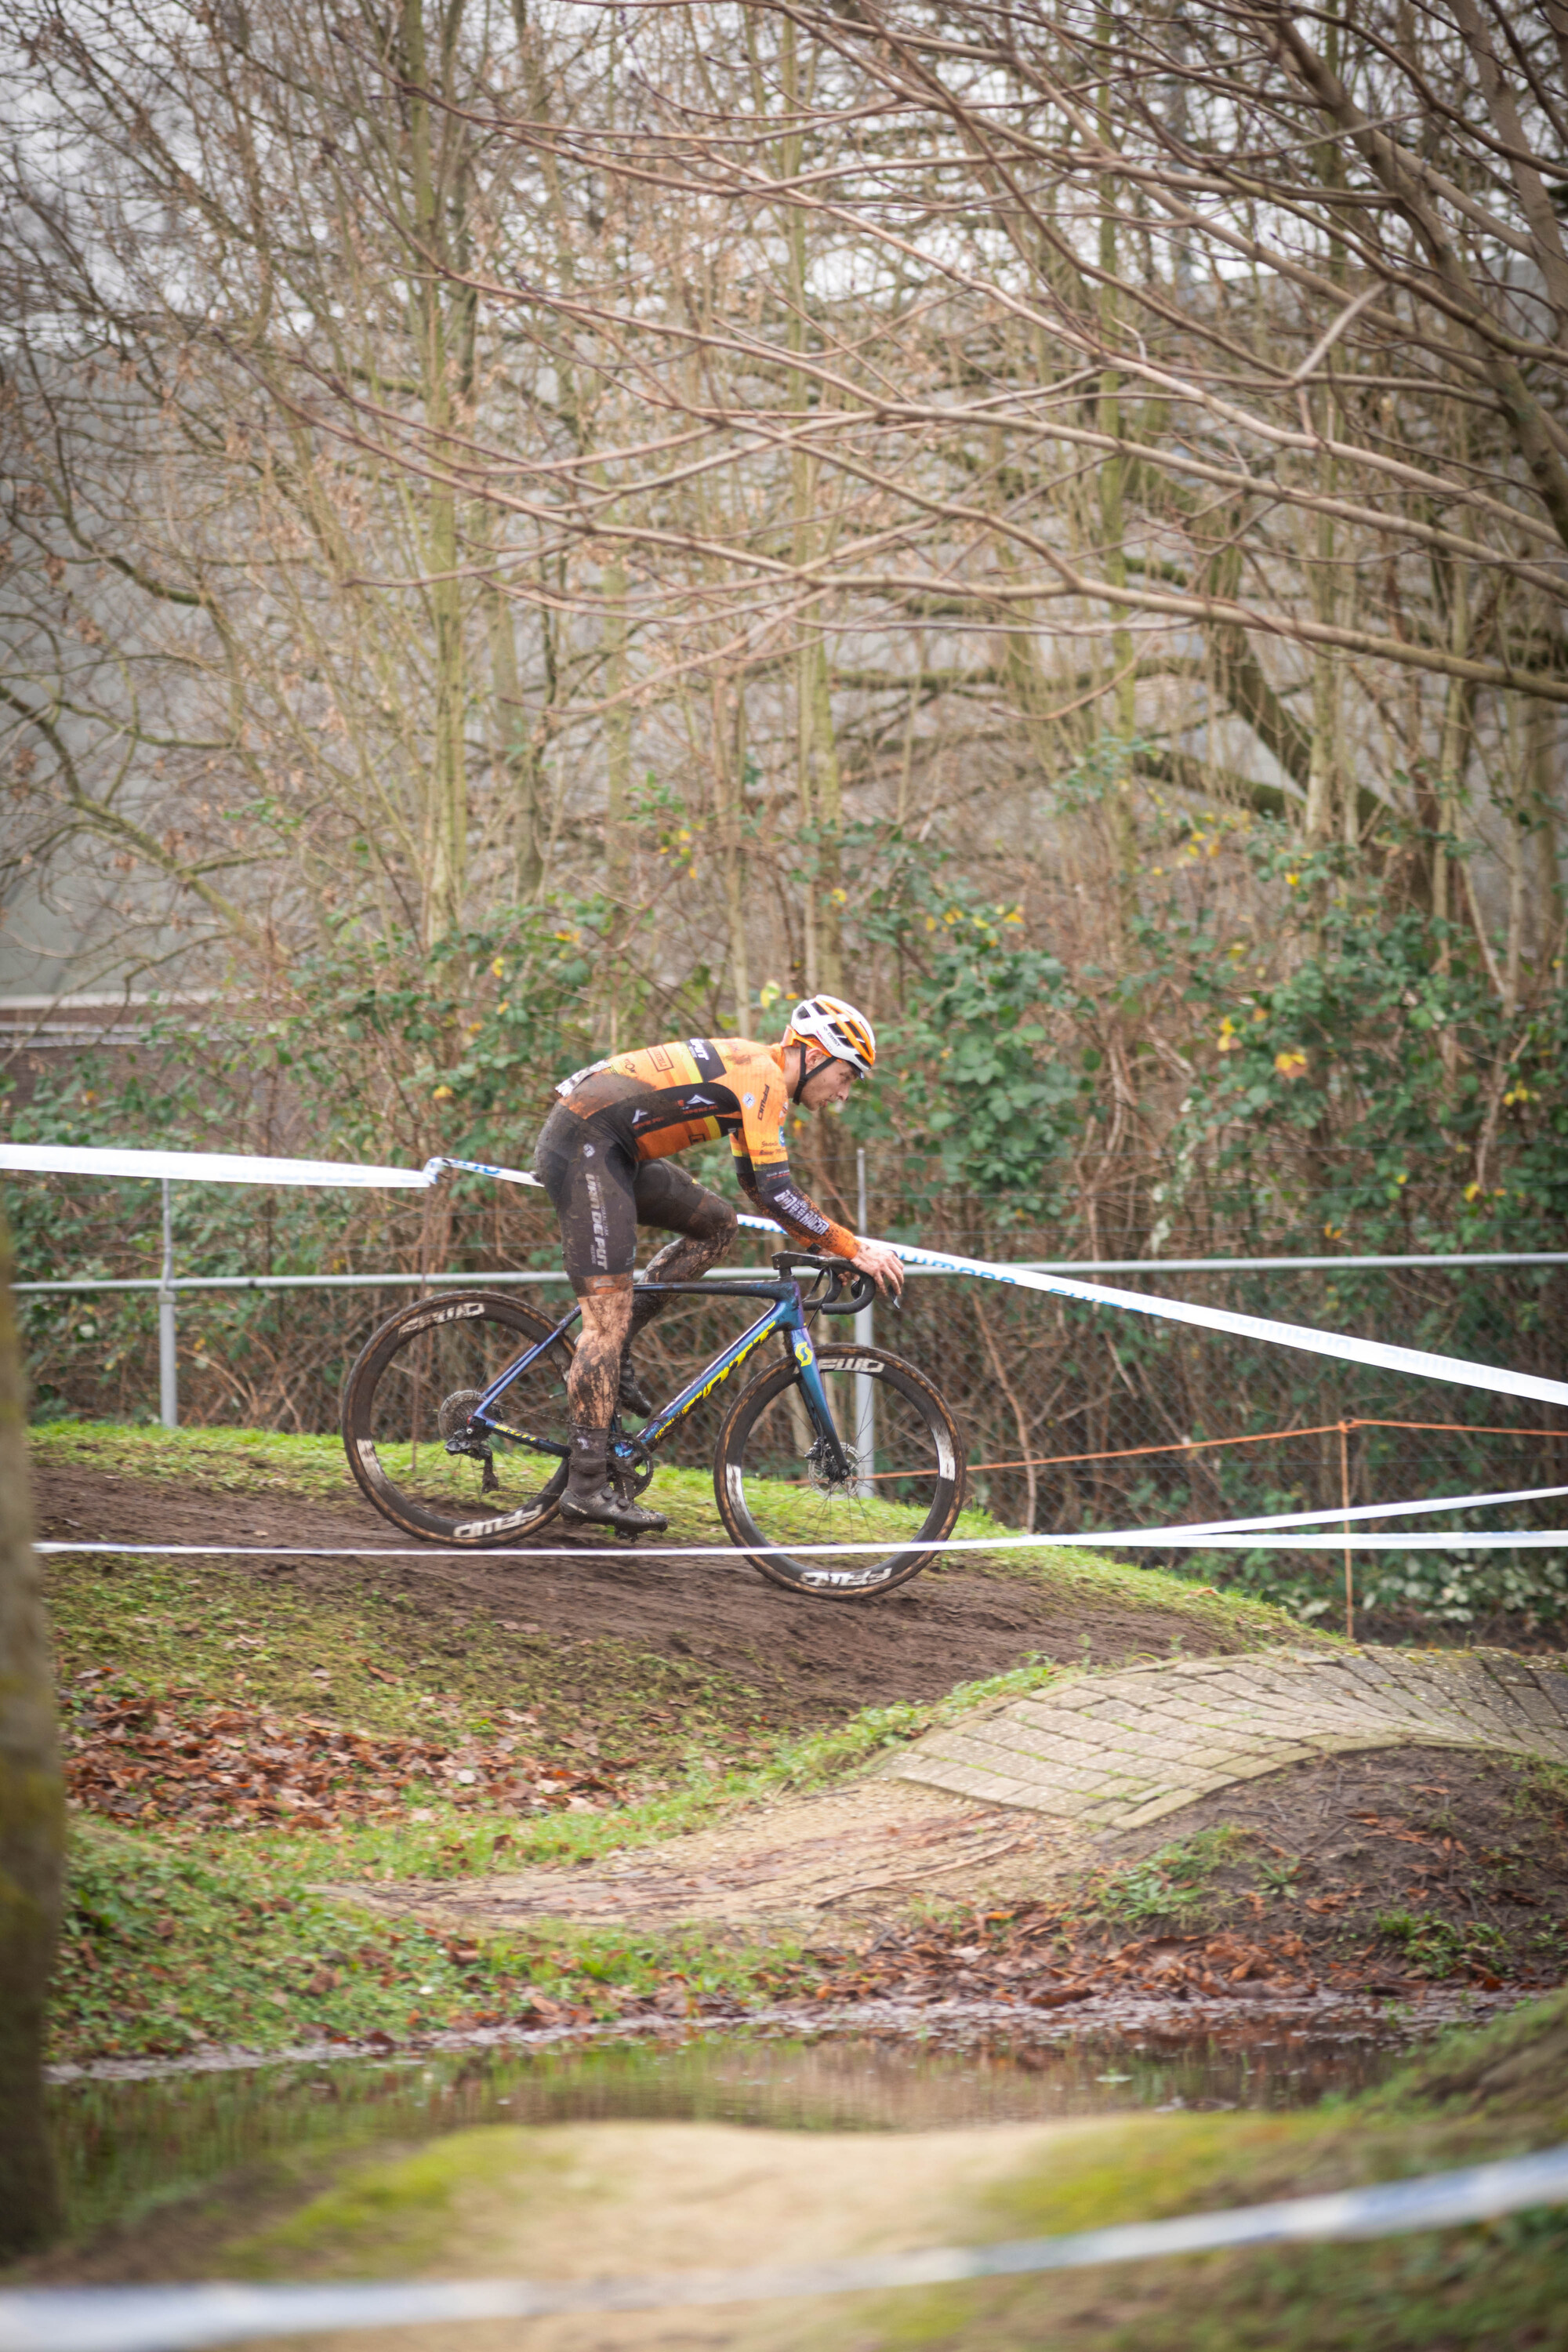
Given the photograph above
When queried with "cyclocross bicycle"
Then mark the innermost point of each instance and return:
(457, 1427)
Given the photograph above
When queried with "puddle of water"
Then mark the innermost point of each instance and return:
(126, 2147)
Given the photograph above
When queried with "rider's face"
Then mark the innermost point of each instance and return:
(829, 1083)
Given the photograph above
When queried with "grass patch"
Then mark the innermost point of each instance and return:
(386, 1660)
(1171, 1888)
(1431, 1945)
(164, 1627)
(226, 1460)
(165, 1949)
(417, 2203)
(173, 1940)
(1494, 2284)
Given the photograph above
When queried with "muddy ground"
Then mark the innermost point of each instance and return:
(811, 1660)
(1388, 1869)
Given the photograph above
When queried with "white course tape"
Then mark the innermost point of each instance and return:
(202, 1167)
(1454, 1370)
(1187, 1534)
(198, 1167)
(1281, 1534)
(1149, 1539)
(181, 2318)
(1194, 1528)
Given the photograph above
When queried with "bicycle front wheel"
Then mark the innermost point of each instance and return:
(905, 1482)
(413, 1387)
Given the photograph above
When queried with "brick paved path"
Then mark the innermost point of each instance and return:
(1114, 1751)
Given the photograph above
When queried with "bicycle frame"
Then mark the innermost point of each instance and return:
(786, 1314)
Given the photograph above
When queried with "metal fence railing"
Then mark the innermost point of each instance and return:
(1076, 1417)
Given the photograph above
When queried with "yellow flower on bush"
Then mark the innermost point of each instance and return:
(442, 1094)
(1290, 1065)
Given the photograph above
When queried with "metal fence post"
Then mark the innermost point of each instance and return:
(865, 1336)
(1344, 1506)
(168, 1363)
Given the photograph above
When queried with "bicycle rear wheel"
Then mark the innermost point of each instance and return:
(902, 1496)
(414, 1385)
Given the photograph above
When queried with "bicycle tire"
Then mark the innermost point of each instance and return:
(769, 1496)
(433, 1354)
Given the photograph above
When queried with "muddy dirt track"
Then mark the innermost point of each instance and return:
(818, 1657)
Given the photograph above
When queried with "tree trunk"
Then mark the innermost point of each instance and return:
(32, 1827)
(617, 737)
(1113, 533)
(445, 829)
(1543, 739)
(1323, 774)
(730, 781)
(822, 801)
(523, 823)
(1453, 757)
(617, 871)
(817, 752)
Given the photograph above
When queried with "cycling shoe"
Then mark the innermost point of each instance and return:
(606, 1508)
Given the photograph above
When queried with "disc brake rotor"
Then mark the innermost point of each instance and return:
(822, 1478)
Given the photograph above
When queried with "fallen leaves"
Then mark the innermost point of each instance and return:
(134, 1758)
(923, 1965)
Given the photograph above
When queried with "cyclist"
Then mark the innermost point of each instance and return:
(603, 1157)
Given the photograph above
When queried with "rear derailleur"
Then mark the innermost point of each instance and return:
(454, 1420)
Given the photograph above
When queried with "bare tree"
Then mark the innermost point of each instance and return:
(656, 458)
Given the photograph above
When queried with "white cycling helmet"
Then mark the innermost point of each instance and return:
(837, 1028)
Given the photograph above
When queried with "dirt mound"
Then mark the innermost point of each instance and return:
(813, 1661)
(1393, 1857)
(1383, 1874)
(861, 1848)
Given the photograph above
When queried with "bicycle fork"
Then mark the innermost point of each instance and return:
(829, 1446)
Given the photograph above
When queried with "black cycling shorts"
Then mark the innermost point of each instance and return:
(602, 1192)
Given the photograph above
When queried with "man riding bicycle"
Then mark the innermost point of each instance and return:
(603, 1158)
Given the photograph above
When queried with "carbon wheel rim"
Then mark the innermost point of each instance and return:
(418, 1373)
(901, 1499)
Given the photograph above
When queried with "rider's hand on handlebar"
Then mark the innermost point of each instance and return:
(883, 1265)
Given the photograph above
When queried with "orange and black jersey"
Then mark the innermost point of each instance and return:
(664, 1098)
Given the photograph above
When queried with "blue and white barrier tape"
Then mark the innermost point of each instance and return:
(181, 2318)
(222, 1168)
